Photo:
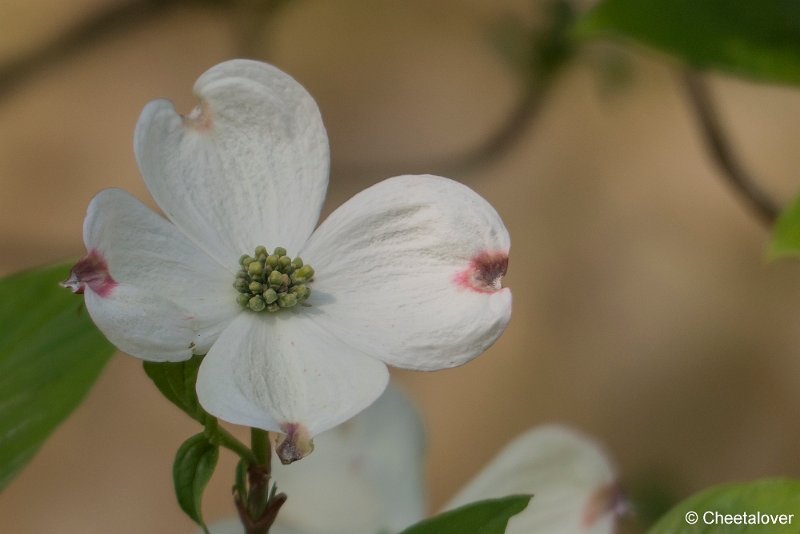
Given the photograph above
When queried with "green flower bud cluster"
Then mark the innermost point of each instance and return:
(272, 281)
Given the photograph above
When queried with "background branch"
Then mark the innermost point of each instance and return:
(520, 119)
(718, 145)
(253, 23)
(102, 25)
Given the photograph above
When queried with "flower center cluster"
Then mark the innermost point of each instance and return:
(272, 281)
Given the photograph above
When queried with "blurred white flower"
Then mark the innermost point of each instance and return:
(367, 478)
(573, 484)
(406, 273)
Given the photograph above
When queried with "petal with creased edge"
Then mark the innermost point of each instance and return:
(390, 265)
(247, 167)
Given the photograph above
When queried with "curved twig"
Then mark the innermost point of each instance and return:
(102, 25)
(252, 19)
(719, 147)
(520, 119)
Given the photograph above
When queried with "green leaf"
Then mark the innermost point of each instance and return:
(483, 517)
(537, 53)
(177, 382)
(773, 499)
(756, 39)
(194, 464)
(786, 233)
(651, 498)
(50, 355)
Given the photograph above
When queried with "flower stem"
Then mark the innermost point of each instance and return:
(259, 441)
(221, 437)
(259, 475)
(257, 505)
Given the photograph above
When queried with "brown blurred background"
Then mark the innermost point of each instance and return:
(644, 311)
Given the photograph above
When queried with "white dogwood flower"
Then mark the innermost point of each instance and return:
(406, 273)
(367, 477)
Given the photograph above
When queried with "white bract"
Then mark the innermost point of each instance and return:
(406, 273)
(367, 478)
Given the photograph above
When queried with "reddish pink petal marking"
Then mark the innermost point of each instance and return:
(606, 499)
(92, 271)
(199, 118)
(484, 273)
(295, 443)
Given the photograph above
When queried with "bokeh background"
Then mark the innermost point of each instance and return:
(645, 313)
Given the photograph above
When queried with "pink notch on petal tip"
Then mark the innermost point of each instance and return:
(485, 272)
(199, 118)
(295, 444)
(607, 499)
(92, 271)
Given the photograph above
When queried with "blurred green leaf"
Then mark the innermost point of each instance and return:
(786, 233)
(536, 53)
(772, 497)
(50, 355)
(483, 517)
(759, 40)
(177, 382)
(651, 498)
(511, 39)
(194, 464)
